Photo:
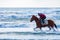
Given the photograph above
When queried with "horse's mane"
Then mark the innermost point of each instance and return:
(35, 17)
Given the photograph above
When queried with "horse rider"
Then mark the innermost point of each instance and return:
(42, 17)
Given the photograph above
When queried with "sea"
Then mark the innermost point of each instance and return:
(15, 24)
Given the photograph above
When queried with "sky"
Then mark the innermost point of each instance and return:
(29, 3)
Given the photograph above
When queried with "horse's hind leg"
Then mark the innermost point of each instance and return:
(49, 27)
(53, 28)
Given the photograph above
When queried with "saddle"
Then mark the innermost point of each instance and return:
(45, 22)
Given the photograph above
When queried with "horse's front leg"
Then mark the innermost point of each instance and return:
(37, 29)
(40, 28)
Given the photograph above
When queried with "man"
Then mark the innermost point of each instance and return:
(42, 17)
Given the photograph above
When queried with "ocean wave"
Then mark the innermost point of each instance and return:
(24, 14)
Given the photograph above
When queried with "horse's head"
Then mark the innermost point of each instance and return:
(33, 18)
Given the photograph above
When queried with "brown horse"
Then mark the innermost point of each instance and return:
(50, 24)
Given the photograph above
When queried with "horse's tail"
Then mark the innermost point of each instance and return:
(55, 26)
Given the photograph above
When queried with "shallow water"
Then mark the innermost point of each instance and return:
(15, 24)
(27, 34)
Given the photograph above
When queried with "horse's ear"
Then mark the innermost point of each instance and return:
(32, 15)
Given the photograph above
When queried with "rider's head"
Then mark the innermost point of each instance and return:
(39, 14)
